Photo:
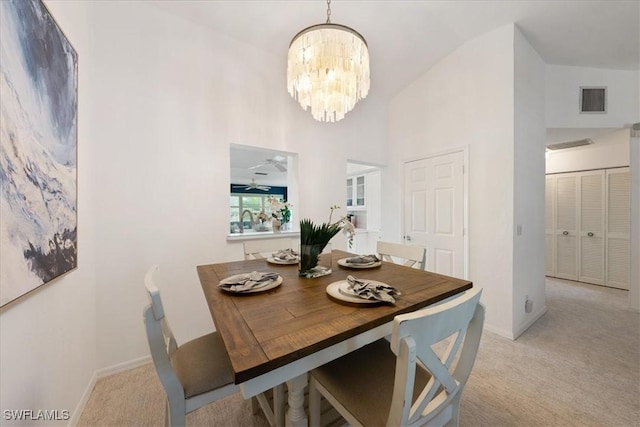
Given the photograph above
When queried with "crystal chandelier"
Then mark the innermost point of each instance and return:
(328, 69)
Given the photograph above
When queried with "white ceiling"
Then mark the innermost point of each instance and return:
(244, 157)
(406, 38)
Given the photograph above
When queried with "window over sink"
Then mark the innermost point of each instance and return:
(254, 203)
(255, 175)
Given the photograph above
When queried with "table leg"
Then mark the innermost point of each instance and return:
(296, 415)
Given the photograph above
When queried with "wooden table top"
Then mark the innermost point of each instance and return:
(264, 331)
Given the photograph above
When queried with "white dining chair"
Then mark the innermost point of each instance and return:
(197, 372)
(263, 248)
(408, 255)
(412, 381)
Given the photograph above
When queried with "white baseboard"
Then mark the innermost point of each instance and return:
(498, 331)
(75, 416)
(101, 373)
(530, 322)
(124, 366)
(513, 335)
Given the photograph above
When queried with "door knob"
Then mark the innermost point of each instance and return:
(408, 237)
(590, 234)
(565, 233)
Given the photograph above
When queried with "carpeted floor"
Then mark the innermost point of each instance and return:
(579, 365)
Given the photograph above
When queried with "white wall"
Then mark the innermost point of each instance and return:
(529, 183)
(612, 149)
(161, 99)
(608, 151)
(48, 338)
(447, 107)
(563, 97)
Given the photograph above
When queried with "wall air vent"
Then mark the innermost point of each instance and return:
(569, 144)
(593, 99)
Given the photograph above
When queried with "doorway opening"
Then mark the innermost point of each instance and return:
(363, 203)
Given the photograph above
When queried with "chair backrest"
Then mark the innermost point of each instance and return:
(257, 249)
(162, 343)
(436, 337)
(412, 255)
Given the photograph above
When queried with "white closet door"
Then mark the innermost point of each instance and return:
(566, 226)
(618, 219)
(434, 211)
(591, 223)
(550, 253)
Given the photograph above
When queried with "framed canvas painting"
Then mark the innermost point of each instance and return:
(38, 152)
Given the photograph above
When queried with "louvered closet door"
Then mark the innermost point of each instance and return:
(566, 226)
(591, 223)
(549, 197)
(618, 219)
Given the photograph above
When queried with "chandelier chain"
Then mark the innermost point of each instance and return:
(328, 11)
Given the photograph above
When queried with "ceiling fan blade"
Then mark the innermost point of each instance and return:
(280, 167)
(257, 166)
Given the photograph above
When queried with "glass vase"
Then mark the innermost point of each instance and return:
(314, 260)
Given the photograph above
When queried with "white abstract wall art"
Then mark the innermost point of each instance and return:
(38, 151)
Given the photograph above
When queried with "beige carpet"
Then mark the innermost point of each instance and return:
(579, 365)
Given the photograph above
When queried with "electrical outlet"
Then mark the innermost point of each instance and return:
(528, 305)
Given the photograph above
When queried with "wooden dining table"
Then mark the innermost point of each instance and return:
(279, 335)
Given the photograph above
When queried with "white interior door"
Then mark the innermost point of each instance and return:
(618, 227)
(434, 211)
(566, 226)
(591, 235)
(550, 253)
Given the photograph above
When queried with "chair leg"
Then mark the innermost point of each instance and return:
(176, 414)
(263, 403)
(255, 405)
(278, 405)
(314, 403)
(454, 421)
(274, 411)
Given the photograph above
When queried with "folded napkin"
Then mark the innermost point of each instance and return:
(286, 255)
(247, 281)
(378, 291)
(363, 259)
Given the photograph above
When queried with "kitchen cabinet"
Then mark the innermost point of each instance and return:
(365, 242)
(364, 201)
(361, 242)
(356, 191)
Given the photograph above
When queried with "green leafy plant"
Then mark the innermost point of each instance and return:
(316, 237)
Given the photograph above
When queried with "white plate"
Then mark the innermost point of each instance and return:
(343, 262)
(340, 290)
(268, 285)
(273, 260)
